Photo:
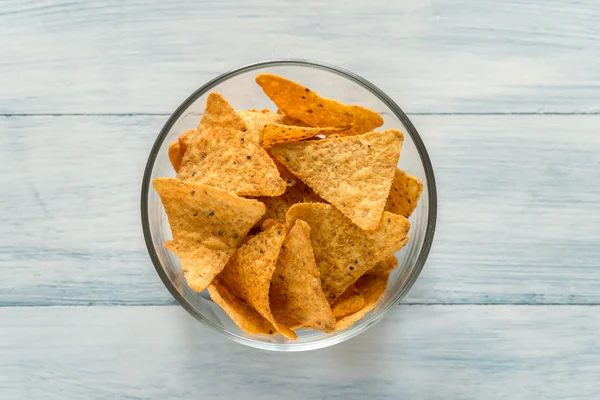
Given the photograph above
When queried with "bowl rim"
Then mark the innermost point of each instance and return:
(398, 112)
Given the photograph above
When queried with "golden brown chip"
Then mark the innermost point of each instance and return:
(224, 153)
(207, 223)
(278, 206)
(244, 316)
(276, 133)
(250, 271)
(184, 139)
(404, 195)
(344, 251)
(372, 287)
(385, 266)
(353, 173)
(296, 293)
(302, 103)
(258, 119)
(175, 155)
(348, 303)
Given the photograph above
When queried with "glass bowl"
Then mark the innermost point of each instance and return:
(240, 89)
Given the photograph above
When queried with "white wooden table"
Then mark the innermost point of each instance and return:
(506, 95)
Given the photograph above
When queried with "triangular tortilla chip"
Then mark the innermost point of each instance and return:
(296, 293)
(244, 316)
(278, 133)
(372, 287)
(348, 303)
(404, 195)
(249, 272)
(224, 154)
(207, 223)
(302, 103)
(343, 251)
(353, 173)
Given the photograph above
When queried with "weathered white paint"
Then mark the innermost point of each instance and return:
(417, 352)
(518, 220)
(146, 56)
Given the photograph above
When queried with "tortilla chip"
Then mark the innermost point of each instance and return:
(175, 155)
(301, 103)
(372, 287)
(343, 251)
(184, 140)
(207, 223)
(276, 133)
(223, 154)
(244, 316)
(285, 174)
(258, 119)
(385, 266)
(296, 293)
(404, 195)
(353, 173)
(249, 273)
(348, 303)
(277, 207)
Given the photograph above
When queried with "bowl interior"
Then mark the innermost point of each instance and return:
(241, 90)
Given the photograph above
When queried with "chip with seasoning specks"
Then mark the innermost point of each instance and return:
(344, 251)
(405, 193)
(207, 223)
(300, 102)
(372, 287)
(353, 173)
(297, 297)
(249, 273)
(223, 154)
(277, 133)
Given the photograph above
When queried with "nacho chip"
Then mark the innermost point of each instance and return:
(372, 287)
(301, 103)
(404, 195)
(244, 316)
(249, 273)
(385, 266)
(276, 133)
(278, 206)
(207, 223)
(184, 140)
(175, 155)
(296, 294)
(258, 119)
(220, 155)
(348, 303)
(344, 251)
(353, 173)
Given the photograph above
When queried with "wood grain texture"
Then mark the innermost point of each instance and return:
(144, 56)
(416, 352)
(517, 221)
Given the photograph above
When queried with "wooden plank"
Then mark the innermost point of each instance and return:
(516, 219)
(145, 56)
(417, 352)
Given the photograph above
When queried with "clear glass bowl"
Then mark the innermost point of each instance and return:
(240, 89)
